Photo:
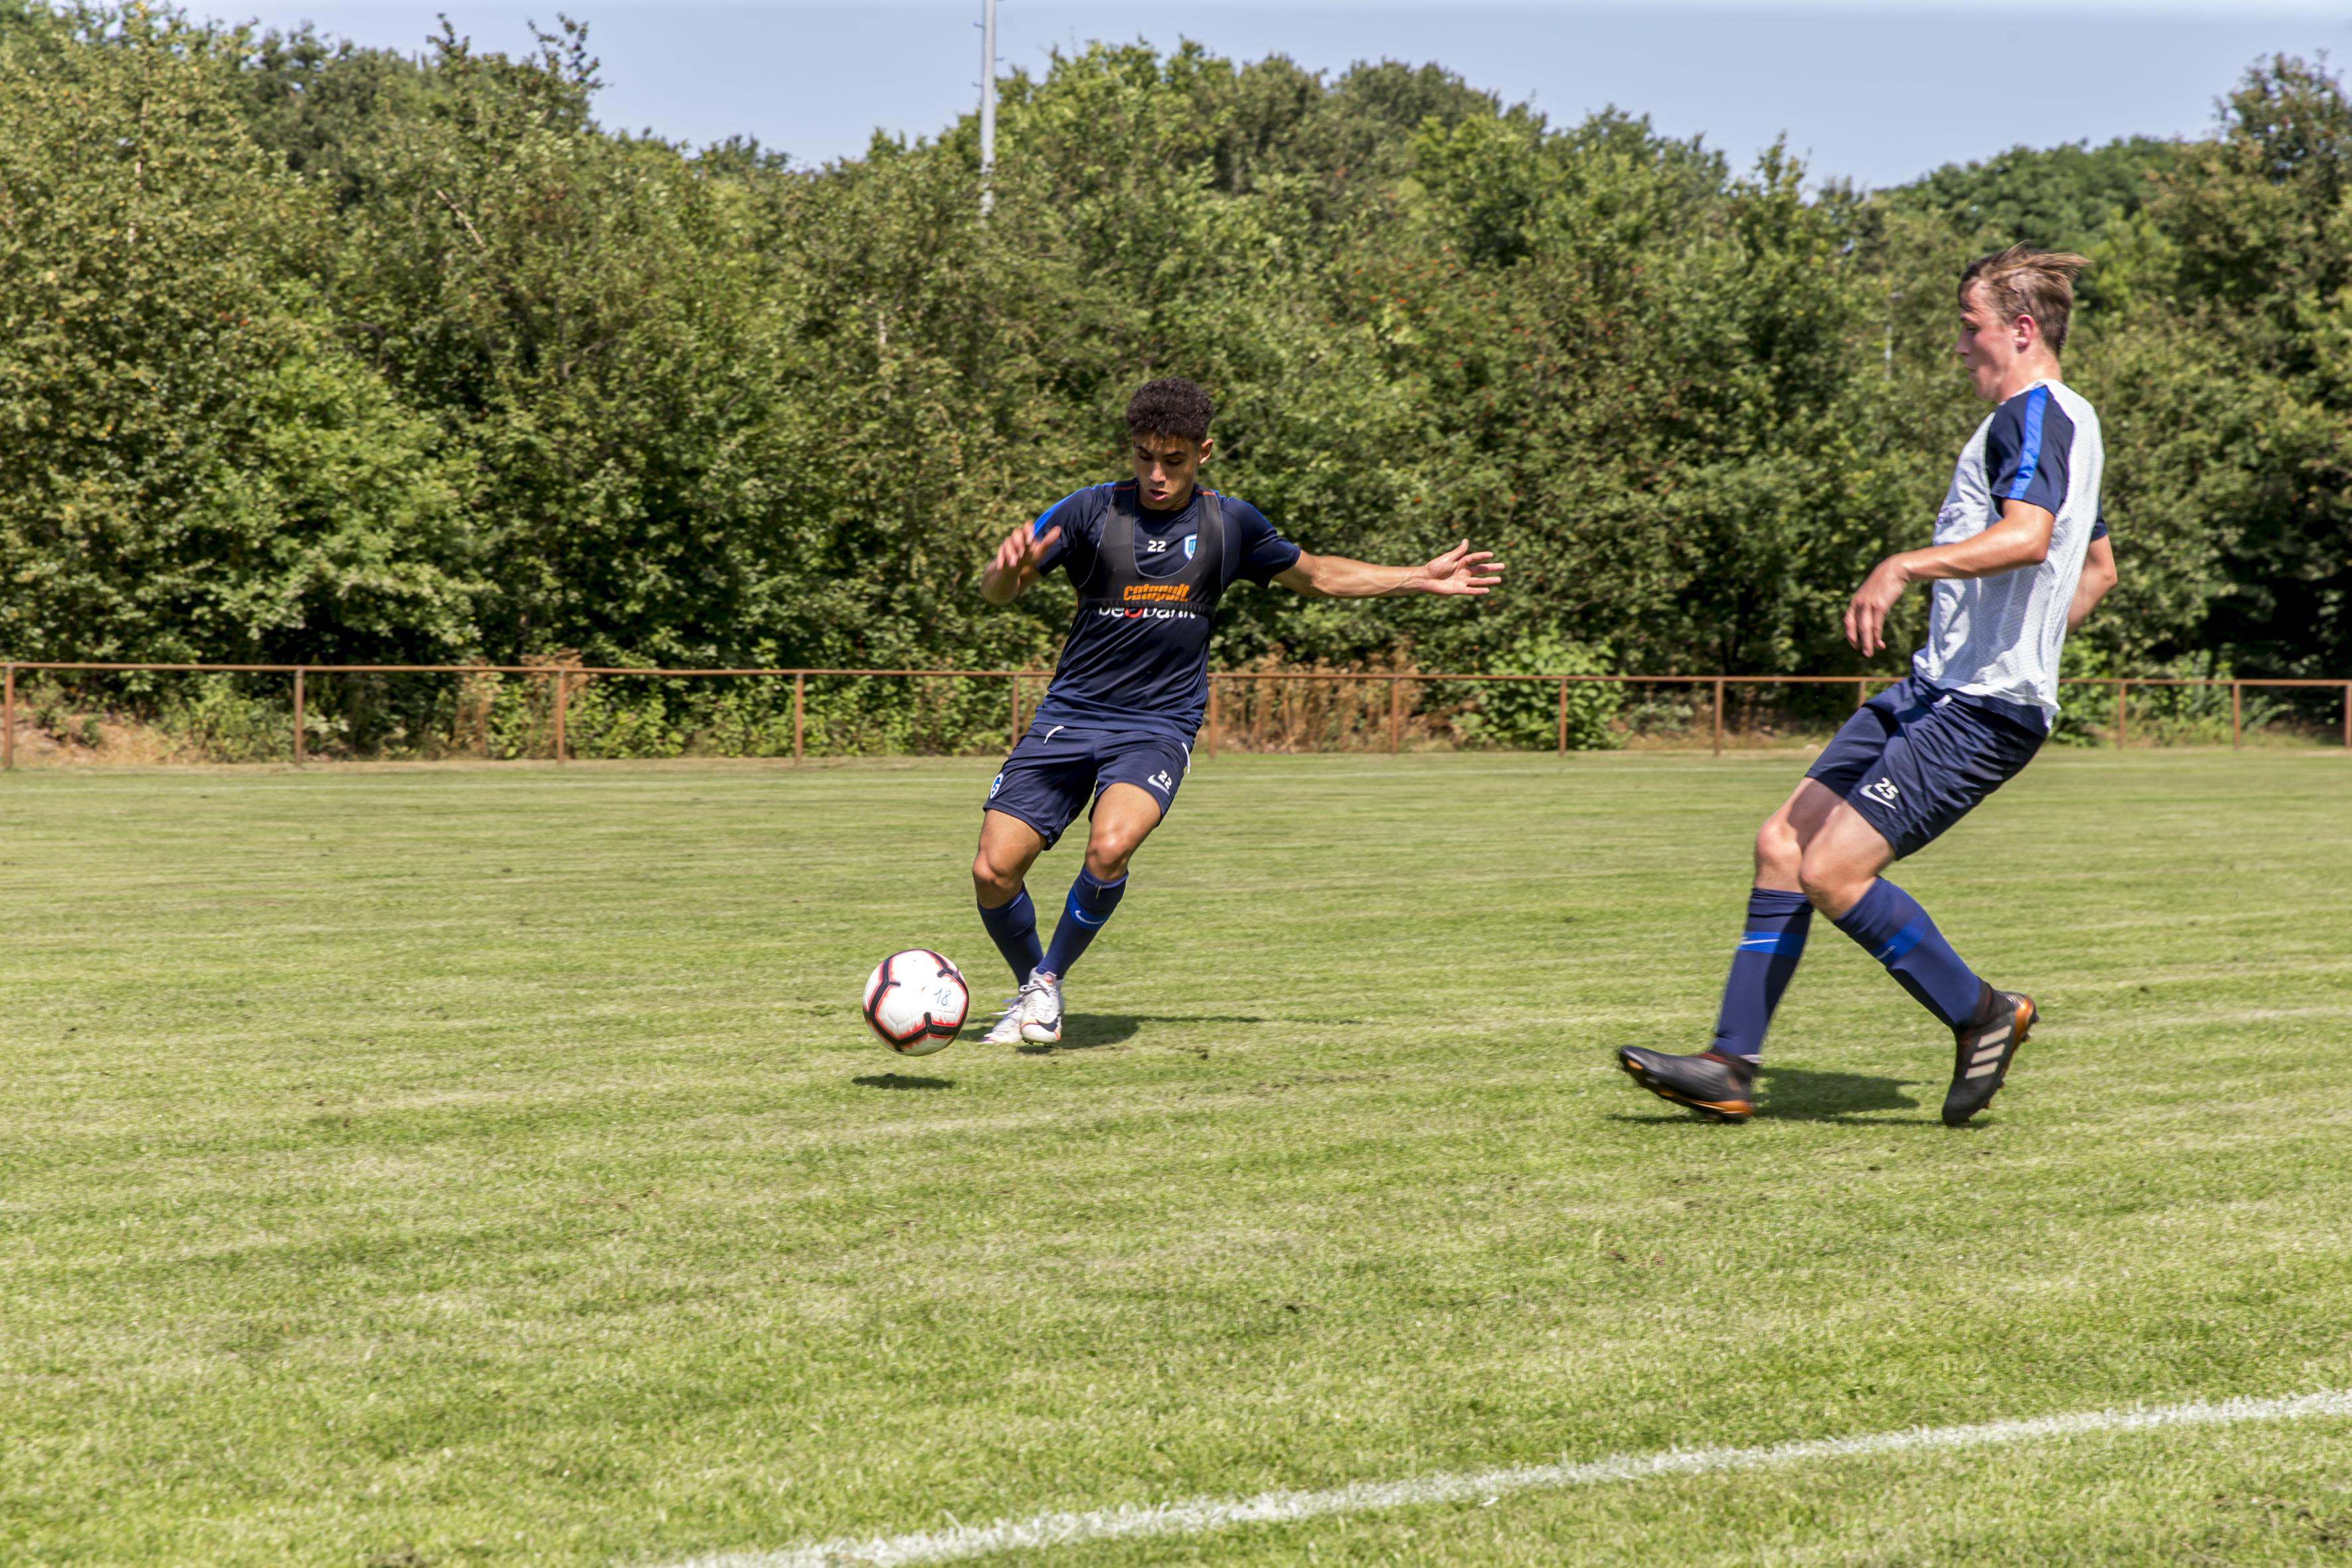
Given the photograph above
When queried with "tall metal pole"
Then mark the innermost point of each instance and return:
(987, 105)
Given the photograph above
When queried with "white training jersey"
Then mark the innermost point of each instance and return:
(1999, 637)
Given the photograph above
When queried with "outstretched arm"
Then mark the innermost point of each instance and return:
(2021, 538)
(1460, 570)
(1015, 565)
(2099, 576)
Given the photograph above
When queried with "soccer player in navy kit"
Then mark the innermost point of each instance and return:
(2008, 574)
(1149, 557)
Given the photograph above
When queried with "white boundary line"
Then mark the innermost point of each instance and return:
(1196, 1516)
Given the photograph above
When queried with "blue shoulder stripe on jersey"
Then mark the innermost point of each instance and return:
(2035, 402)
(1037, 528)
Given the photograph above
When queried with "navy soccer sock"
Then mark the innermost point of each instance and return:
(1014, 928)
(1768, 950)
(1894, 929)
(1091, 902)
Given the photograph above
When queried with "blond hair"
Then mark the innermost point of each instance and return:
(2025, 281)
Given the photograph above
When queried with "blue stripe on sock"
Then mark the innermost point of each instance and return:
(1088, 911)
(1902, 942)
(1773, 942)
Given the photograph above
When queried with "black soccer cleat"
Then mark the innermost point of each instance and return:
(1982, 1049)
(1718, 1087)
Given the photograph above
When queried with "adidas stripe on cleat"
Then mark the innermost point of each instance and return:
(1982, 1049)
(1717, 1087)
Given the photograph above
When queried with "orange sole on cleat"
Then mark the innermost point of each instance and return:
(1712, 1109)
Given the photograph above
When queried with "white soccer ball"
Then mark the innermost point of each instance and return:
(916, 1000)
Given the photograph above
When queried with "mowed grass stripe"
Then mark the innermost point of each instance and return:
(491, 1163)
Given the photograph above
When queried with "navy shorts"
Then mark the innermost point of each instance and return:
(1058, 770)
(1915, 761)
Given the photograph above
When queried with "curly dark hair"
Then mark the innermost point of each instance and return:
(1169, 406)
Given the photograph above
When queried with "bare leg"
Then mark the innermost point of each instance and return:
(1008, 848)
(1780, 842)
(1841, 858)
(1124, 817)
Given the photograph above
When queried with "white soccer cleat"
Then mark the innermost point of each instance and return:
(1006, 1030)
(1041, 1009)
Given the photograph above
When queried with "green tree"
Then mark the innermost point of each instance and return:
(313, 351)
(194, 469)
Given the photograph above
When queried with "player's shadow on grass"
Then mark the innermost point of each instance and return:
(901, 1080)
(1095, 1029)
(1800, 1094)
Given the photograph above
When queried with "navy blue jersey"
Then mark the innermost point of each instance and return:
(1146, 668)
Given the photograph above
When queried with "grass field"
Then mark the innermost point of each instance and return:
(487, 1166)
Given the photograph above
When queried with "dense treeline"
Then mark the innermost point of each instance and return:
(311, 351)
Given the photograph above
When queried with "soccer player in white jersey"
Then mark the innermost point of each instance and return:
(2006, 567)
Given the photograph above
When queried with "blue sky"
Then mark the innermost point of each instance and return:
(1876, 92)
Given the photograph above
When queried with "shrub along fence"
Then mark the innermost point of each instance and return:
(563, 711)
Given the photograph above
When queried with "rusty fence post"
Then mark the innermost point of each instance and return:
(1862, 692)
(2237, 716)
(800, 708)
(1719, 715)
(1016, 708)
(563, 683)
(1396, 715)
(297, 716)
(2123, 712)
(1211, 725)
(8, 721)
(1563, 718)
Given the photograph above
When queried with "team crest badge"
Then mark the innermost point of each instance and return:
(1192, 542)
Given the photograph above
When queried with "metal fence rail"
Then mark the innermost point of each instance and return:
(564, 676)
